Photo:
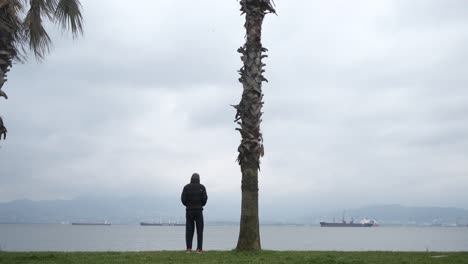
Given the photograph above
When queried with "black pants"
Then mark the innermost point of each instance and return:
(192, 218)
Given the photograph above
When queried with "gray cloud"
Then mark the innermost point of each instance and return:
(366, 104)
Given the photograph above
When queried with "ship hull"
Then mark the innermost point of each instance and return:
(150, 224)
(325, 224)
(159, 224)
(92, 224)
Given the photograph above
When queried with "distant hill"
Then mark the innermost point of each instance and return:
(116, 210)
(132, 210)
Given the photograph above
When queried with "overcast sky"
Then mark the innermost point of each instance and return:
(367, 103)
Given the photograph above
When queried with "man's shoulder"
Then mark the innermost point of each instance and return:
(195, 186)
(192, 185)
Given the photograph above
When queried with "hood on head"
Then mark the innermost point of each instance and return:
(195, 178)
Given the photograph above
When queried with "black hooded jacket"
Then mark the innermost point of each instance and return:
(194, 195)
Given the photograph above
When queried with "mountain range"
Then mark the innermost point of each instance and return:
(132, 210)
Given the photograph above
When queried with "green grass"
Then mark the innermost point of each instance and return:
(328, 257)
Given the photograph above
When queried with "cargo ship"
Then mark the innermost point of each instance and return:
(91, 223)
(363, 223)
(161, 224)
(150, 224)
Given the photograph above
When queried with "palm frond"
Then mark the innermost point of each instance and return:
(265, 6)
(12, 25)
(39, 40)
(4, 3)
(10, 10)
(12, 2)
(68, 14)
(48, 8)
(2, 81)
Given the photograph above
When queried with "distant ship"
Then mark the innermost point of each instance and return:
(161, 224)
(363, 223)
(91, 223)
(150, 224)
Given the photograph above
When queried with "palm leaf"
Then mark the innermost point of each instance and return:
(68, 14)
(39, 40)
(12, 25)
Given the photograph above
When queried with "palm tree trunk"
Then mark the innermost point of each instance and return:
(249, 233)
(248, 116)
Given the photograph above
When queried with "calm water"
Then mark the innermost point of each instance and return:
(137, 238)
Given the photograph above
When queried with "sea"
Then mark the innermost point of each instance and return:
(65, 237)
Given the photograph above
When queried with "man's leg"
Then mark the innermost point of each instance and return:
(200, 226)
(189, 229)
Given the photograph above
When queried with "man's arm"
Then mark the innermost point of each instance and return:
(183, 197)
(204, 196)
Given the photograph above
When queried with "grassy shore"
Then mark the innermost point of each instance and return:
(233, 257)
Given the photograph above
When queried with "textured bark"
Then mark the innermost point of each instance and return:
(248, 116)
(249, 233)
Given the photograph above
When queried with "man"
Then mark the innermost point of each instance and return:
(194, 197)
